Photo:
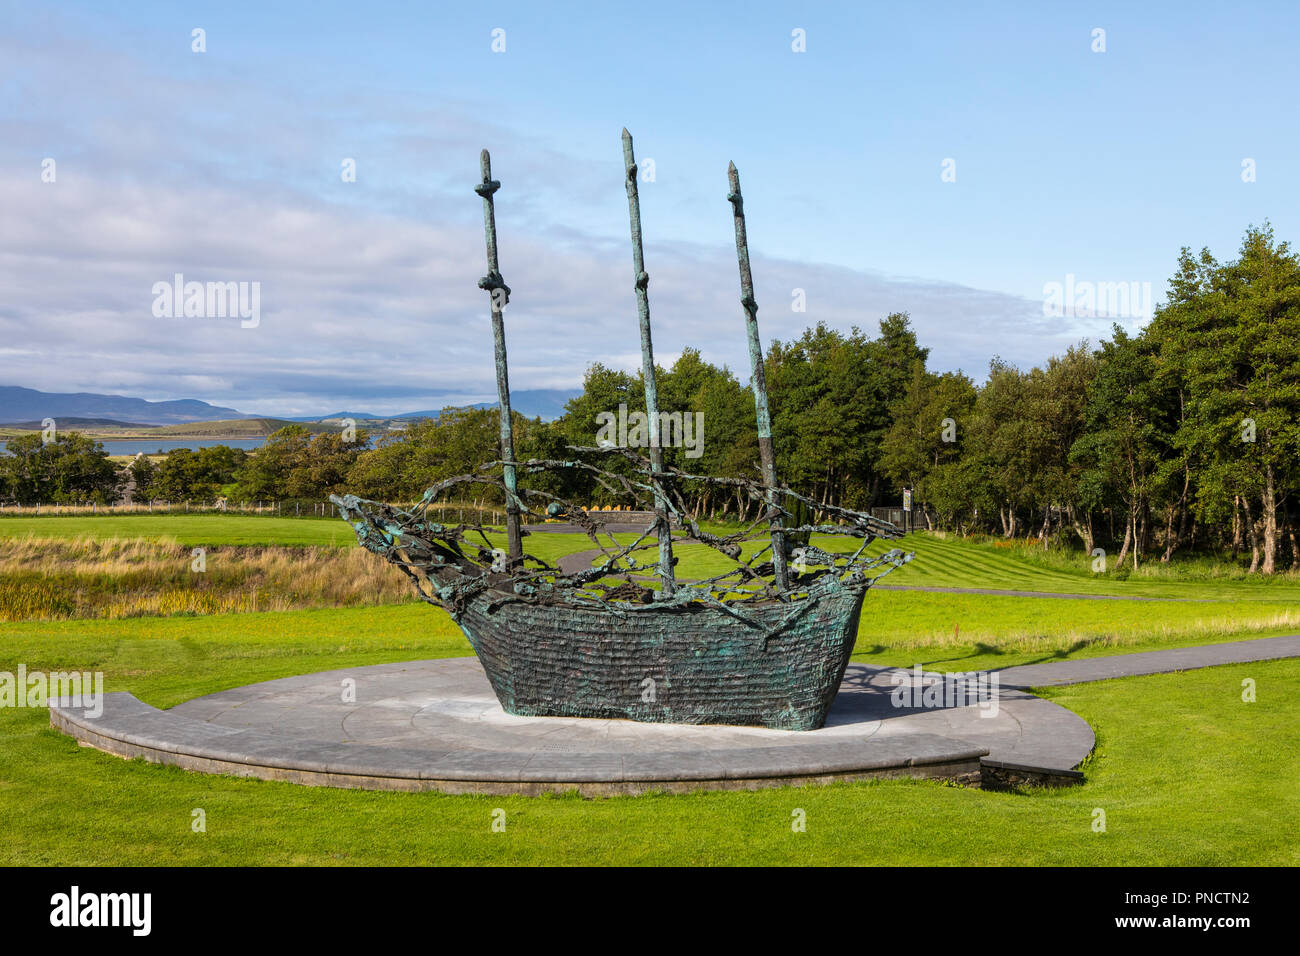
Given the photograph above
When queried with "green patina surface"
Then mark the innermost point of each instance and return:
(765, 642)
(730, 649)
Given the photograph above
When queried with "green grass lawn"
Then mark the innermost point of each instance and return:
(945, 631)
(939, 562)
(189, 530)
(234, 530)
(957, 563)
(979, 631)
(954, 562)
(1185, 771)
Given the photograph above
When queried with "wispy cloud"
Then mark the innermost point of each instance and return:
(368, 289)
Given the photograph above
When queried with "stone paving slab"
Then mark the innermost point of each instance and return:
(132, 729)
(437, 725)
(450, 701)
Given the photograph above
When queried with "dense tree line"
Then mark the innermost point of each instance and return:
(1184, 436)
(68, 467)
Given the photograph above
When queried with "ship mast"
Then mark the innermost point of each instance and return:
(766, 451)
(499, 294)
(662, 526)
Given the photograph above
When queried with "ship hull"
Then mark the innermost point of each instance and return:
(691, 663)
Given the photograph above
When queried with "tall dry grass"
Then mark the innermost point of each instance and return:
(45, 579)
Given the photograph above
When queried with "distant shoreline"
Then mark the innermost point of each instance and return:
(217, 431)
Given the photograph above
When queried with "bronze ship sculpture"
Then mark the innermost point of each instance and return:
(763, 644)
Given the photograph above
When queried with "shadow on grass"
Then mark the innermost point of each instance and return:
(1060, 654)
(979, 649)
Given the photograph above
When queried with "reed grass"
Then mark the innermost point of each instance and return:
(44, 579)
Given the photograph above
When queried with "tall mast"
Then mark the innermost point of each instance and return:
(766, 451)
(499, 294)
(662, 527)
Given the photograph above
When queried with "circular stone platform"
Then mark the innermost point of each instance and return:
(436, 725)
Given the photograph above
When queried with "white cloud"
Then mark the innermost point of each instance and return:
(362, 306)
(369, 294)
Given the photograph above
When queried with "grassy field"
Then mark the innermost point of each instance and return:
(188, 530)
(269, 563)
(212, 530)
(973, 631)
(939, 562)
(67, 578)
(954, 562)
(1185, 771)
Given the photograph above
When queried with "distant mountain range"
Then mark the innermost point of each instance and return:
(28, 407)
(27, 404)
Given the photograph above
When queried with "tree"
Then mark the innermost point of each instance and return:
(1125, 442)
(196, 473)
(929, 423)
(1057, 399)
(831, 396)
(726, 440)
(143, 473)
(403, 464)
(1230, 333)
(70, 467)
(1001, 429)
(293, 463)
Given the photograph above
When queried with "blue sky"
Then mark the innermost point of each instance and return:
(225, 165)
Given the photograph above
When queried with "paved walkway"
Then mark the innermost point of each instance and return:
(1057, 673)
